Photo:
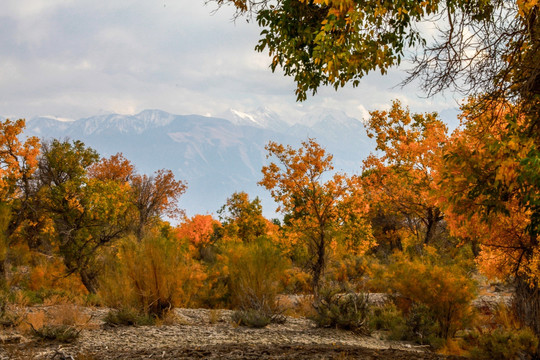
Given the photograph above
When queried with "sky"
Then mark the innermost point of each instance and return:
(78, 58)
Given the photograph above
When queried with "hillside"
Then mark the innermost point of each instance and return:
(215, 155)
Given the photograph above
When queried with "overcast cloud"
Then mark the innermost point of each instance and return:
(78, 58)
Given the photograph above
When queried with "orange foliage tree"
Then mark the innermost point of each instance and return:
(491, 187)
(116, 168)
(199, 231)
(400, 182)
(313, 200)
(18, 161)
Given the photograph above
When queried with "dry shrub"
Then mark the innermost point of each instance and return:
(10, 315)
(61, 323)
(214, 316)
(255, 272)
(152, 276)
(299, 306)
(337, 306)
(499, 334)
(48, 281)
(439, 293)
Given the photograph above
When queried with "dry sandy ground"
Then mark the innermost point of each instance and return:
(205, 334)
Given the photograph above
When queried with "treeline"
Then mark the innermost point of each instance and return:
(418, 223)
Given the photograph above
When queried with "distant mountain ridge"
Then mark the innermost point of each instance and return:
(215, 155)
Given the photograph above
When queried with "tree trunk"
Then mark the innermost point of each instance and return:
(3, 274)
(319, 264)
(527, 305)
(89, 280)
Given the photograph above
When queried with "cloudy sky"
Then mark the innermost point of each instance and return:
(78, 58)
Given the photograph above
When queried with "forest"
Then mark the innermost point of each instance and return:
(414, 225)
(433, 220)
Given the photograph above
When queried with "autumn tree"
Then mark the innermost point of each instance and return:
(400, 181)
(243, 218)
(201, 231)
(18, 161)
(155, 196)
(481, 45)
(116, 168)
(87, 213)
(491, 191)
(312, 198)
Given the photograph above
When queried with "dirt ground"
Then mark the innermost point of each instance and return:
(207, 334)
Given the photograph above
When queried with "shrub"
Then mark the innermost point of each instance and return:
(441, 293)
(128, 317)
(8, 317)
(152, 276)
(252, 318)
(60, 333)
(255, 271)
(502, 344)
(337, 306)
(390, 319)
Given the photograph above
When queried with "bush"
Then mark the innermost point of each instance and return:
(390, 319)
(252, 318)
(255, 272)
(338, 307)
(152, 276)
(60, 333)
(440, 293)
(128, 317)
(8, 318)
(502, 344)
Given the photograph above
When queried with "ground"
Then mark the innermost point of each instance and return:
(210, 334)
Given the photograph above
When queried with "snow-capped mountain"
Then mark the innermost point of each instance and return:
(215, 155)
(261, 117)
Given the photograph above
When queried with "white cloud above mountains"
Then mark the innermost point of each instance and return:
(77, 58)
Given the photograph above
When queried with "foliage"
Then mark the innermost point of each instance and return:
(116, 168)
(502, 344)
(152, 276)
(18, 161)
(338, 307)
(314, 208)
(442, 293)
(200, 232)
(488, 193)
(401, 182)
(490, 185)
(243, 218)
(485, 45)
(255, 270)
(87, 214)
(155, 196)
(390, 319)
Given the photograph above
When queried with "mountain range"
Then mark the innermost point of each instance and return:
(215, 155)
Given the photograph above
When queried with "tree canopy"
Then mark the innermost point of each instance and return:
(481, 44)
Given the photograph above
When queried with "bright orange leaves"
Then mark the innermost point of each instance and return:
(18, 160)
(316, 204)
(484, 192)
(402, 180)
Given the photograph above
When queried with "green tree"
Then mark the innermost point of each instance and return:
(87, 213)
(243, 218)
